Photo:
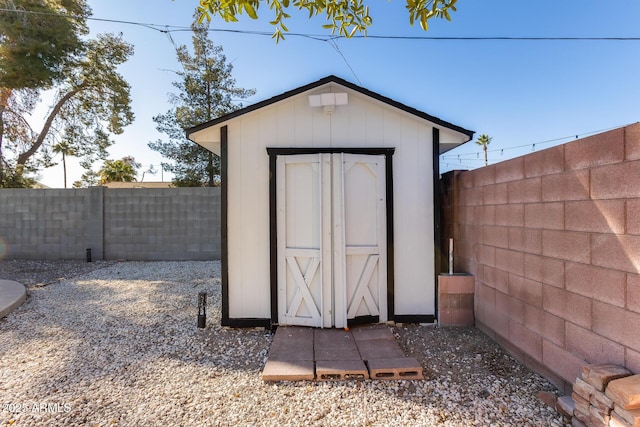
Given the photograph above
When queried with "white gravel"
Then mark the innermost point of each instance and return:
(119, 346)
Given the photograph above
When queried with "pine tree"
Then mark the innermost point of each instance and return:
(206, 90)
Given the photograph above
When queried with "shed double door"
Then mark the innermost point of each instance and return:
(331, 234)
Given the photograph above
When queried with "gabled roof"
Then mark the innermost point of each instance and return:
(321, 82)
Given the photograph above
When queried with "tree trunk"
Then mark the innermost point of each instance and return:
(23, 157)
(64, 168)
(4, 99)
(210, 170)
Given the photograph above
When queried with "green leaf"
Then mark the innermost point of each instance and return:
(250, 10)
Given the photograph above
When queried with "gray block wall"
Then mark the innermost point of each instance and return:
(133, 224)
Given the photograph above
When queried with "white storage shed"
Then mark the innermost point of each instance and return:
(328, 207)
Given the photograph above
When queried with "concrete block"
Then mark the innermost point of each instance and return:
(333, 338)
(486, 255)
(525, 191)
(510, 170)
(527, 290)
(403, 368)
(373, 332)
(470, 197)
(632, 360)
(560, 361)
(510, 261)
(456, 317)
(597, 216)
(549, 271)
(525, 240)
(371, 349)
(566, 245)
(617, 181)
(616, 252)
(497, 236)
(288, 370)
(484, 176)
(341, 370)
(633, 216)
(602, 284)
(571, 185)
(544, 162)
(632, 142)
(292, 343)
(528, 341)
(567, 305)
(549, 216)
(456, 284)
(545, 324)
(511, 215)
(613, 322)
(593, 347)
(455, 301)
(333, 354)
(495, 194)
(596, 150)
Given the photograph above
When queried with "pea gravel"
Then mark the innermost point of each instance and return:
(116, 343)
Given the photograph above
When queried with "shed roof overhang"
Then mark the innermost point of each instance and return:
(208, 134)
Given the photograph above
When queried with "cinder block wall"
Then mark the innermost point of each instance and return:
(553, 239)
(133, 224)
(160, 224)
(42, 224)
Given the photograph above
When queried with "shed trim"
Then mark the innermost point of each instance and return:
(224, 242)
(437, 226)
(415, 318)
(321, 82)
(273, 153)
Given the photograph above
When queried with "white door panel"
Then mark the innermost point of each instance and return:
(300, 288)
(331, 226)
(365, 235)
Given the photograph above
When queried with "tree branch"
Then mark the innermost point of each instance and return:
(23, 157)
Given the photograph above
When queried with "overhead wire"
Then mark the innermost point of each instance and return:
(164, 28)
(331, 39)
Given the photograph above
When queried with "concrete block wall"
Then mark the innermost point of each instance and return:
(159, 224)
(133, 224)
(43, 224)
(553, 240)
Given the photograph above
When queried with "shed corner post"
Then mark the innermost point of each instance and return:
(273, 236)
(224, 242)
(437, 229)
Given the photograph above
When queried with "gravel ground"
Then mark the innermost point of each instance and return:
(116, 343)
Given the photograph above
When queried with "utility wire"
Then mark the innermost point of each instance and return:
(164, 28)
(335, 46)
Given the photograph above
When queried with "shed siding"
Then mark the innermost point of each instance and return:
(362, 123)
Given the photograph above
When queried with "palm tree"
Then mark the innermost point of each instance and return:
(124, 170)
(66, 150)
(484, 140)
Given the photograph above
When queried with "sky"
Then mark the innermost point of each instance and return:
(526, 95)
